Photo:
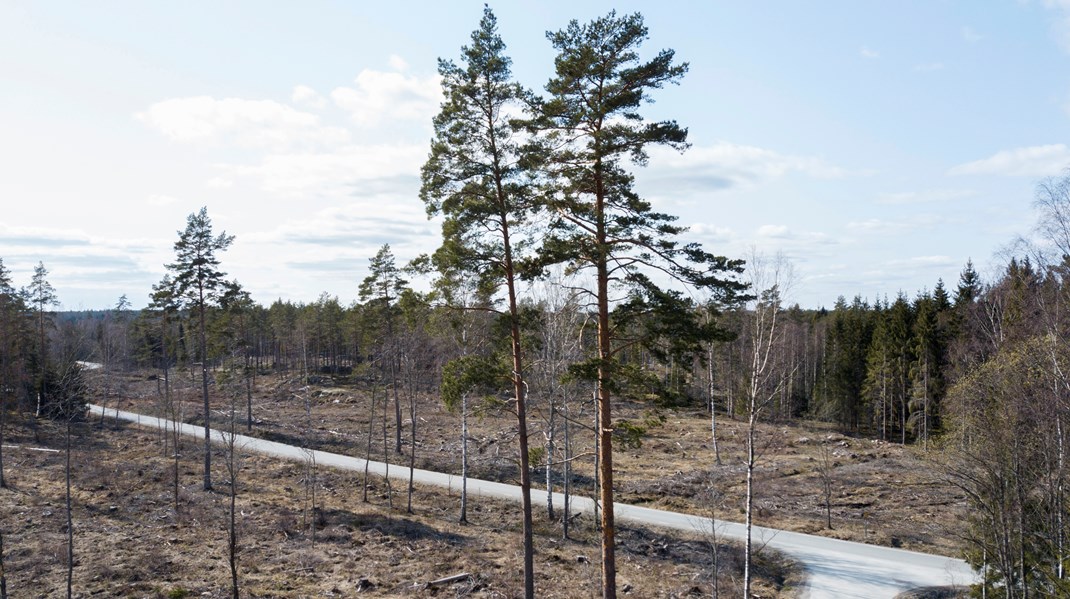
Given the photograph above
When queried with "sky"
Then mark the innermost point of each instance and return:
(878, 145)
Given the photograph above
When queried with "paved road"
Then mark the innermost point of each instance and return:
(835, 568)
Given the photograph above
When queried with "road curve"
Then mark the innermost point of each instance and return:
(834, 568)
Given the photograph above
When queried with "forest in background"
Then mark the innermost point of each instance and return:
(979, 373)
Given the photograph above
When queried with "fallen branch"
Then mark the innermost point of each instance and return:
(449, 580)
(46, 449)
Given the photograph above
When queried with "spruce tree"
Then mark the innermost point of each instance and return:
(12, 325)
(969, 287)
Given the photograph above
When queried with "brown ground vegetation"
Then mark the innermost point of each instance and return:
(129, 540)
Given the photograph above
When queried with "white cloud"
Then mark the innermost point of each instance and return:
(307, 96)
(380, 96)
(924, 261)
(1061, 21)
(246, 123)
(865, 52)
(337, 241)
(219, 183)
(774, 231)
(882, 226)
(711, 232)
(368, 169)
(724, 164)
(872, 225)
(925, 197)
(1032, 161)
(970, 35)
(397, 63)
(159, 200)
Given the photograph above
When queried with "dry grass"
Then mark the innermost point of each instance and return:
(130, 542)
(883, 493)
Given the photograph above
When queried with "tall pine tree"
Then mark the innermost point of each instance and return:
(474, 177)
(199, 282)
(592, 128)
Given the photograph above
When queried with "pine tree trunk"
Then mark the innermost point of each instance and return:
(204, 394)
(605, 426)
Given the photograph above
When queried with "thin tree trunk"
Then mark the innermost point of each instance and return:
(464, 458)
(397, 405)
(412, 435)
(310, 473)
(249, 374)
(386, 462)
(173, 412)
(748, 507)
(567, 475)
(3, 481)
(550, 461)
(104, 399)
(1060, 533)
(232, 467)
(368, 452)
(713, 406)
(3, 573)
(233, 544)
(204, 394)
(42, 362)
(70, 518)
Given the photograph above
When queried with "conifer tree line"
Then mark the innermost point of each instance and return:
(548, 290)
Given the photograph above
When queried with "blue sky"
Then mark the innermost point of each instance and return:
(877, 144)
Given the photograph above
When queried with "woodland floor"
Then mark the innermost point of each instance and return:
(883, 493)
(129, 540)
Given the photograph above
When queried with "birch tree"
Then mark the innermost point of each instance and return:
(769, 280)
